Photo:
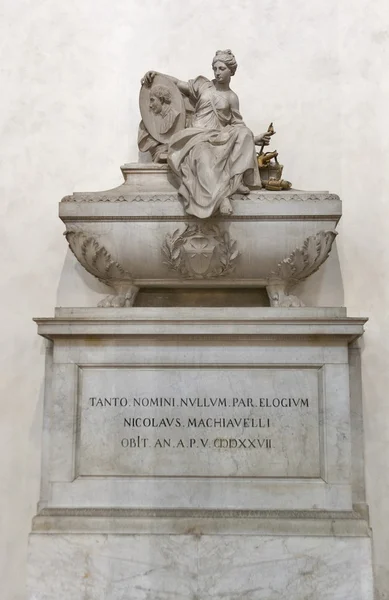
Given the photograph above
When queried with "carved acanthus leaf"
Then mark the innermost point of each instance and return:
(95, 258)
(307, 259)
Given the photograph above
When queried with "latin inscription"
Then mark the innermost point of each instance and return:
(199, 402)
(255, 434)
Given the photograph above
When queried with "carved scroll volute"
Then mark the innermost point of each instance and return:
(299, 265)
(96, 259)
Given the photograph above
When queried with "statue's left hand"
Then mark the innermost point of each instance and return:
(148, 78)
(263, 139)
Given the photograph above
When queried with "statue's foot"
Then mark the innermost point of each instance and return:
(243, 189)
(225, 207)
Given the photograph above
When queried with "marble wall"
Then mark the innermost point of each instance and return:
(69, 113)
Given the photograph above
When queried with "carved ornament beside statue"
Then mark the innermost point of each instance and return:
(209, 211)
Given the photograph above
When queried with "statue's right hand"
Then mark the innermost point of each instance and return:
(148, 78)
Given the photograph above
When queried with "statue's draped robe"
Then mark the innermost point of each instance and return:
(214, 156)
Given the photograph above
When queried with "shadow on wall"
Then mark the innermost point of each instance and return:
(325, 287)
(77, 287)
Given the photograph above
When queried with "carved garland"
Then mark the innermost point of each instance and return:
(224, 251)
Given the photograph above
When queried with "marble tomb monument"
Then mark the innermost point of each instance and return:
(202, 434)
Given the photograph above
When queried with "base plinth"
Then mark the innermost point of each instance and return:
(201, 453)
(199, 567)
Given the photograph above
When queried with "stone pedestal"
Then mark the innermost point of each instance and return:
(203, 454)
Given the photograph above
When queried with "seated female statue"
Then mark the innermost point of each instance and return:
(215, 157)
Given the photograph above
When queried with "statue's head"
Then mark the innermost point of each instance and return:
(159, 95)
(222, 61)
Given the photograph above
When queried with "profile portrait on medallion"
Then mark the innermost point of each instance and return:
(160, 105)
(162, 108)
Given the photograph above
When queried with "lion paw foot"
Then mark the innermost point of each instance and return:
(225, 207)
(119, 300)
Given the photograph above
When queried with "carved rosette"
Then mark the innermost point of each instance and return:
(96, 259)
(200, 251)
(299, 265)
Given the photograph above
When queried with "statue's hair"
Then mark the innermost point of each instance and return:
(226, 57)
(162, 93)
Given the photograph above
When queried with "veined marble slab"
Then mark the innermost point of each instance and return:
(191, 421)
(195, 567)
(199, 522)
(93, 457)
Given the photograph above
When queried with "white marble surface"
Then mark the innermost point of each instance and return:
(170, 521)
(131, 238)
(198, 568)
(180, 321)
(188, 422)
(70, 117)
(236, 353)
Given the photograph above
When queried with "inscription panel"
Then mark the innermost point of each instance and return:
(199, 422)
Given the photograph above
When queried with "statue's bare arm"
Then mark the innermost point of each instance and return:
(234, 101)
(263, 139)
(182, 85)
